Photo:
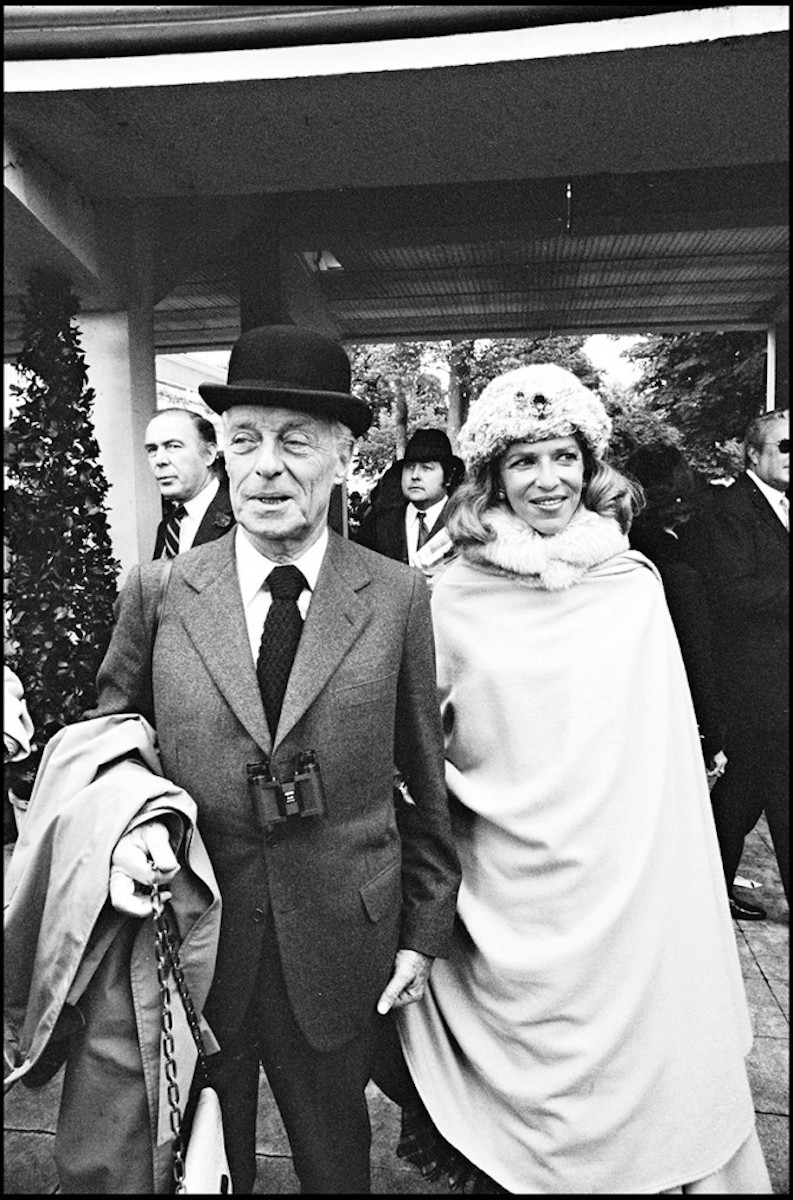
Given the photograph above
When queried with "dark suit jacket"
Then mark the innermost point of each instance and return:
(687, 601)
(384, 531)
(345, 891)
(217, 520)
(744, 551)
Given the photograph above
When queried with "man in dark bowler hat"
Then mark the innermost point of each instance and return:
(741, 541)
(333, 911)
(412, 525)
(183, 455)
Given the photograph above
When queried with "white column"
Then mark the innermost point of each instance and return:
(779, 364)
(770, 369)
(119, 353)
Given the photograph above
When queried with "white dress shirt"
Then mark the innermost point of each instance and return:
(252, 571)
(195, 511)
(412, 524)
(778, 500)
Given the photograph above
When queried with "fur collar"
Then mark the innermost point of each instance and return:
(551, 563)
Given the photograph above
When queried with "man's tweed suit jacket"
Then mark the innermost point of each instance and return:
(344, 891)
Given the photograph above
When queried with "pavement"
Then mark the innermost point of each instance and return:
(30, 1116)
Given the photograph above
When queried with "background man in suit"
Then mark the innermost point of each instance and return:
(328, 920)
(429, 473)
(183, 456)
(742, 543)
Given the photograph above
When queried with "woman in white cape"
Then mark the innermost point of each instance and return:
(589, 1030)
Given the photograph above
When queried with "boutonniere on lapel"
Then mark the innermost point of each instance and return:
(223, 520)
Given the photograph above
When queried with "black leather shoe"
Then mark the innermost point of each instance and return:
(741, 910)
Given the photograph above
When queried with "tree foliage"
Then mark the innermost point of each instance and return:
(399, 381)
(707, 386)
(61, 582)
(492, 357)
(409, 384)
(696, 390)
(633, 424)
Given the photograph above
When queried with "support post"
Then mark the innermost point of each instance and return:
(778, 378)
(119, 352)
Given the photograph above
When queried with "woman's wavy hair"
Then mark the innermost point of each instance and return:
(606, 492)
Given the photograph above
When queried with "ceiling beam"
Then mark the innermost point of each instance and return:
(44, 31)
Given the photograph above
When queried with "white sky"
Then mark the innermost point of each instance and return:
(605, 352)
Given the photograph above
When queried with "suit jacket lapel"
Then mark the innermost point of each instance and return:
(338, 612)
(440, 522)
(213, 616)
(764, 510)
(218, 517)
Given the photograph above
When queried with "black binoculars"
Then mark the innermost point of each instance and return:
(275, 801)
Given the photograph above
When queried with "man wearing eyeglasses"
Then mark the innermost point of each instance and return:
(743, 550)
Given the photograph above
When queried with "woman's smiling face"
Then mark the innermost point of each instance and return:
(543, 481)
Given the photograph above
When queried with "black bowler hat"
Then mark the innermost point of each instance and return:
(286, 366)
(432, 445)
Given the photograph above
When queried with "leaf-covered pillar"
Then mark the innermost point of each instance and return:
(61, 581)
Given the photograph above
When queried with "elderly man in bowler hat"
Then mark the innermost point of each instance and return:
(413, 529)
(335, 905)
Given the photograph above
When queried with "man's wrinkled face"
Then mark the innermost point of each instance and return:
(770, 460)
(282, 467)
(180, 459)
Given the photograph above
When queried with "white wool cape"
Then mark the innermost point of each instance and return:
(588, 1032)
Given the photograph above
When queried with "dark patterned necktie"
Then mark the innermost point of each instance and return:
(423, 531)
(171, 547)
(280, 637)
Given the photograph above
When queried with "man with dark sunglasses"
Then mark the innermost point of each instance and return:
(742, 547)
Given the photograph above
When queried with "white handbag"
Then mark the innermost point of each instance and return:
(206, 1168)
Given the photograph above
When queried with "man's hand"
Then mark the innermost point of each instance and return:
(141, 858)
(406, 985)
(715, 772)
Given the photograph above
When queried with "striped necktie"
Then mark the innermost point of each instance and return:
(784, 504)
(171, 547)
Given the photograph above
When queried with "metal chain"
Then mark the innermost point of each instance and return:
(181, 984)
(164, 965)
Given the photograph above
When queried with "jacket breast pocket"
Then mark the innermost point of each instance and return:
(376, 691)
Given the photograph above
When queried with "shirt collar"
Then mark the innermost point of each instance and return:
(253, 568)
(431, 514)
(772, 495)
(202, 500)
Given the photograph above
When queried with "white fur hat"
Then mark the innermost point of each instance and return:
(532, 404)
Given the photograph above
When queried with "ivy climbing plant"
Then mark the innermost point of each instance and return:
(61, 580)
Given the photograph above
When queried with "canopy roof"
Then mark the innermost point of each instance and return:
(625, 170)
